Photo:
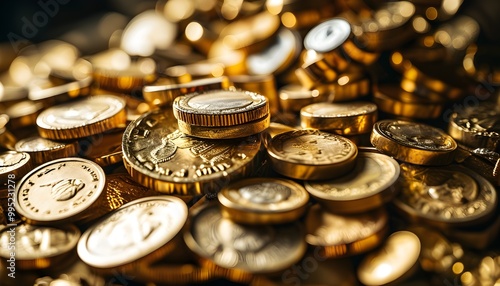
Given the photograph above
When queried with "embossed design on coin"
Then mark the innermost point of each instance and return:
(133, 231)
(312, 147)
(153, 147)
(417, 135)
(365, 187)
(256, 249)
(10, 159)
(43, 197)
(65, 189)
(452, 195)
(265, 193)
(37, 242)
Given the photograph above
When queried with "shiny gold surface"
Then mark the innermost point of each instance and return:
(311, 154)
(13, 163)
(261, 84)
(340, 118)
(86, 117)
(43, 150)
(415, 143)
(227, 132)
(368, 186)
(106, 148)
(397, 256)
(451, 196)
(160, 157)
(263, 201)
(395, 100)
(219, 108)
(345, 235)
(294, 97)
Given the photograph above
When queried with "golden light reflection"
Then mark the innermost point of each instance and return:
(457, 268)
(289, 20)
(274, 6)
(431, 13)
(420, 25)
(177, 10)
(450, 7)
(382, 270)
(20, 72)
(343, 80)
(194, 31)
(147, 32)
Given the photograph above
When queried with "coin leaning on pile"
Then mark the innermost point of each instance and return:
(249, 149)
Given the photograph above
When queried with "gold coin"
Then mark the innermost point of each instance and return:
(278, 56)
(82, 118)
(340, 118)
(415, 143)
(227, 132)
(394, 100)
(251, 34)
(164, 94)
(199, 70)
(273, 130)
(61, 190)
(328, 35)
(263, 201)
(38, 247)
(43, 150)
(476, 126)
(219, 108)
(346, 88)
(114, 70)
(23, 114)
(441, 78)
(106, 148)
(368, 186)
(345, 235)
(445, 197)
(311, 154)
(160, 157)
(143, 230)
(293, 97)
(394, 260)
(261, 84)
(316, 71)
(13, 163)
(251, 249)
(45, 90)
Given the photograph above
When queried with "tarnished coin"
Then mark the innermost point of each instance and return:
(451, 196)
(253, 249)
(345, 235)
(263, 201)
(369, 185)
(37, 247)
(13, 163)
(311, 154)
(412, 142)
(133, 232)
(43, 150)
(393, 261)
(60, 191)
(477, 126)
(82, 118)
(160, 157)
(341, 118)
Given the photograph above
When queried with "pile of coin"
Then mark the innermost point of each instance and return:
(256, 143)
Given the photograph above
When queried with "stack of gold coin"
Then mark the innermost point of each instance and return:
(222, 114)
(230, 142)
